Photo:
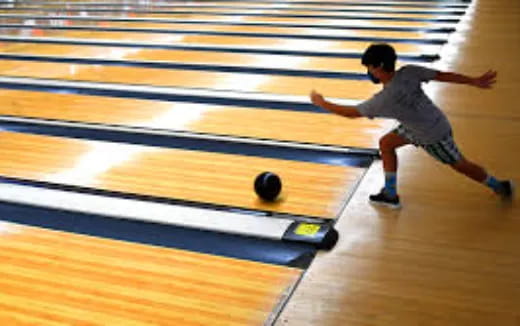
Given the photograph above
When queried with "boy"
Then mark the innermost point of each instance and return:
(422, 123)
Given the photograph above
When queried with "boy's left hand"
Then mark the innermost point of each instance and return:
(486, 80)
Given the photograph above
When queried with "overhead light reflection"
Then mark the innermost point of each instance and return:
(8, 228)
(95, 162)
(180, 118)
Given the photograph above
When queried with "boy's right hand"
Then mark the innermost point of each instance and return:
(317, 99)
(486, 80)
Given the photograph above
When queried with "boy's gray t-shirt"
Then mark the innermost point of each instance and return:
(403, 99)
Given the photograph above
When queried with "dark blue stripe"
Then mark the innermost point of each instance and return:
(187, 66)
(315, 9)
(208, 22)
(421, 58)
(261, 250)
(209, 13)
(361, 159)
(238, 34)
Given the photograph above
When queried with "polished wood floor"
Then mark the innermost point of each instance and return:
(176, 174)
(279, 85)
(59, 278)
(259, 123)
(449, 257)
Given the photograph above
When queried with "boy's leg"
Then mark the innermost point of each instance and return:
(470, 169)
(447, 152)
(477, 173)
(387, 146)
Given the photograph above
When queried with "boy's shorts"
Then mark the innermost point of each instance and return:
(445, 150)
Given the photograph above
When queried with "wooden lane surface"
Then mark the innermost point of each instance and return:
(247, 5)
(238, 82)
(309, 188)
(195, 57)
(208, 10)
(412, 35)
(283, 5)
(304, 127)
(214, 17)
(59, 278)
(337, 3)
(298, 2)
(243, 41)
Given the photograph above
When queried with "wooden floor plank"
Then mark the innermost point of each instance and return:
(237, 82)
(268, 43)
(65, 278)
(313, 189)
(226, 10)
(243, 82)
(260, 123)
(450, 256)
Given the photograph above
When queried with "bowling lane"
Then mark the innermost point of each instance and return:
(233, 10)
(310, 189)
(334, 21)
(339, 3)
(82, 280)
(259, 41)
(353, 6)
(158, 27)
(272, 43)
(235, 82)
(258, 123)
(193, 57)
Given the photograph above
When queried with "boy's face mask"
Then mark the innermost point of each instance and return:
(373, 78)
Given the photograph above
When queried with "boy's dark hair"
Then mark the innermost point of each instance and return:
(380, 55)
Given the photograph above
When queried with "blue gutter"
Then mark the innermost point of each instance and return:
(187, 66)
(291, 254)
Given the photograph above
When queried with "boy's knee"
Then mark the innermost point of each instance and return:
(384, 142)
(388, 143)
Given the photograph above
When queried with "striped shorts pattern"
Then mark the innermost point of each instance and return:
(445, 150)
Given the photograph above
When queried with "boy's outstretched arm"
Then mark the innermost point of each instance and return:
(484, 81)
(343, 110)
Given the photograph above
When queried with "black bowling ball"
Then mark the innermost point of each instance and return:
(268, 186)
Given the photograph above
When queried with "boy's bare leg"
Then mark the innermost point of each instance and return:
(470, 169)
(477, 173)
(387, 145)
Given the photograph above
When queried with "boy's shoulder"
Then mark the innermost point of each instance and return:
(410, 68)
(412, 71)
